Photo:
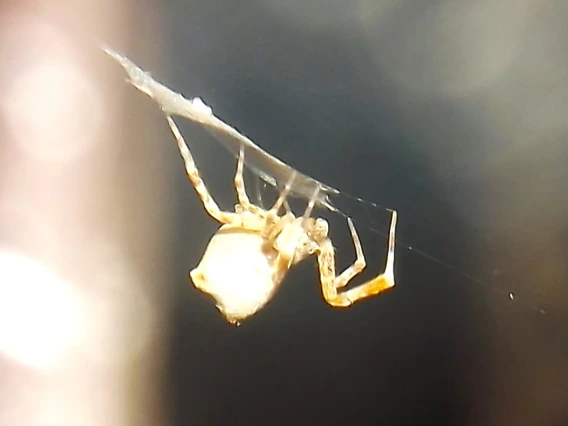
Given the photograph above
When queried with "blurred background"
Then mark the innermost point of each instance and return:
(451, 112)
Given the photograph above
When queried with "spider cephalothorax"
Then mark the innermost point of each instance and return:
(251, 253)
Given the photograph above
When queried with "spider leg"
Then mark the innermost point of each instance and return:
(287, 208)
(193, 174)
(283, 195)
(274, 223)
(240, 184)
(258, 193)
(310, 206)
(260, 201)
(331, 283)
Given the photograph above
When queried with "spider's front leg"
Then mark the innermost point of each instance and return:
(242, 196)
(331, 284)
(193, 174)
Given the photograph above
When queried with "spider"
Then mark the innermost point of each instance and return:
(253, 250)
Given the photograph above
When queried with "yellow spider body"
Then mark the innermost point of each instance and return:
(242, 268)
(253, 250)
(237, 270)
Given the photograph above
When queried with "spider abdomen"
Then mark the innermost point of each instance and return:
(237, 271)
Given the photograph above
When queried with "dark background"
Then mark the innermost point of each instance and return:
(452, 112)
(411, 106)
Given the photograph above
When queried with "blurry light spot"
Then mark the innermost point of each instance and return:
(23, 226)
(116, 315)
(50, 105)
(449, 48)
(511, 296)
(37, 312)
(117, 323)
(52, 112)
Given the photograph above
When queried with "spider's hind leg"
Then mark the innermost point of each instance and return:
(331, 283)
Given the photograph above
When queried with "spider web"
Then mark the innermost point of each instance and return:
(275, 173)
